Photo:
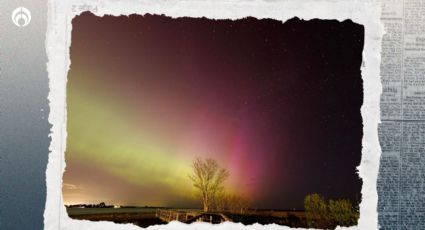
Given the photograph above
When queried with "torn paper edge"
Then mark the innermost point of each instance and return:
(61, 13)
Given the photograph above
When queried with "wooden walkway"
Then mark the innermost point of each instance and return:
(168, 215)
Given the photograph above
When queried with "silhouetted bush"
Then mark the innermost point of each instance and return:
(329, 214)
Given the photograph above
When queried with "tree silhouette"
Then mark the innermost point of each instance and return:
(342, 212)
(316, 210)
(208, 178)
(321, 213)
(232, 202)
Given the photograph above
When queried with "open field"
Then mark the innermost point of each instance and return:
(142, 217)
(147, 216)
(88, 211)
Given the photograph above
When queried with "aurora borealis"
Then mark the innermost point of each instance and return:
(277, 104)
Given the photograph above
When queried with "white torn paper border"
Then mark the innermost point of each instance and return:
(61, 12)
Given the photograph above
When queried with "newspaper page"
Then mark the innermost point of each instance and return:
(402, 131)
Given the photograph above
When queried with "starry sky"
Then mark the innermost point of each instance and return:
(277, 104)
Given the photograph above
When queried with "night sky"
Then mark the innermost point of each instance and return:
(277, 104)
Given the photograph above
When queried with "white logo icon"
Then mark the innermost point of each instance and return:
(21, 16)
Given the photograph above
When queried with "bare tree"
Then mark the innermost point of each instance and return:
(208, 178)
(221, 201)
(238, 203)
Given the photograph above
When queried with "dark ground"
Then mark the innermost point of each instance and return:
(292, 219)
(139, 219)
(295, 219)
